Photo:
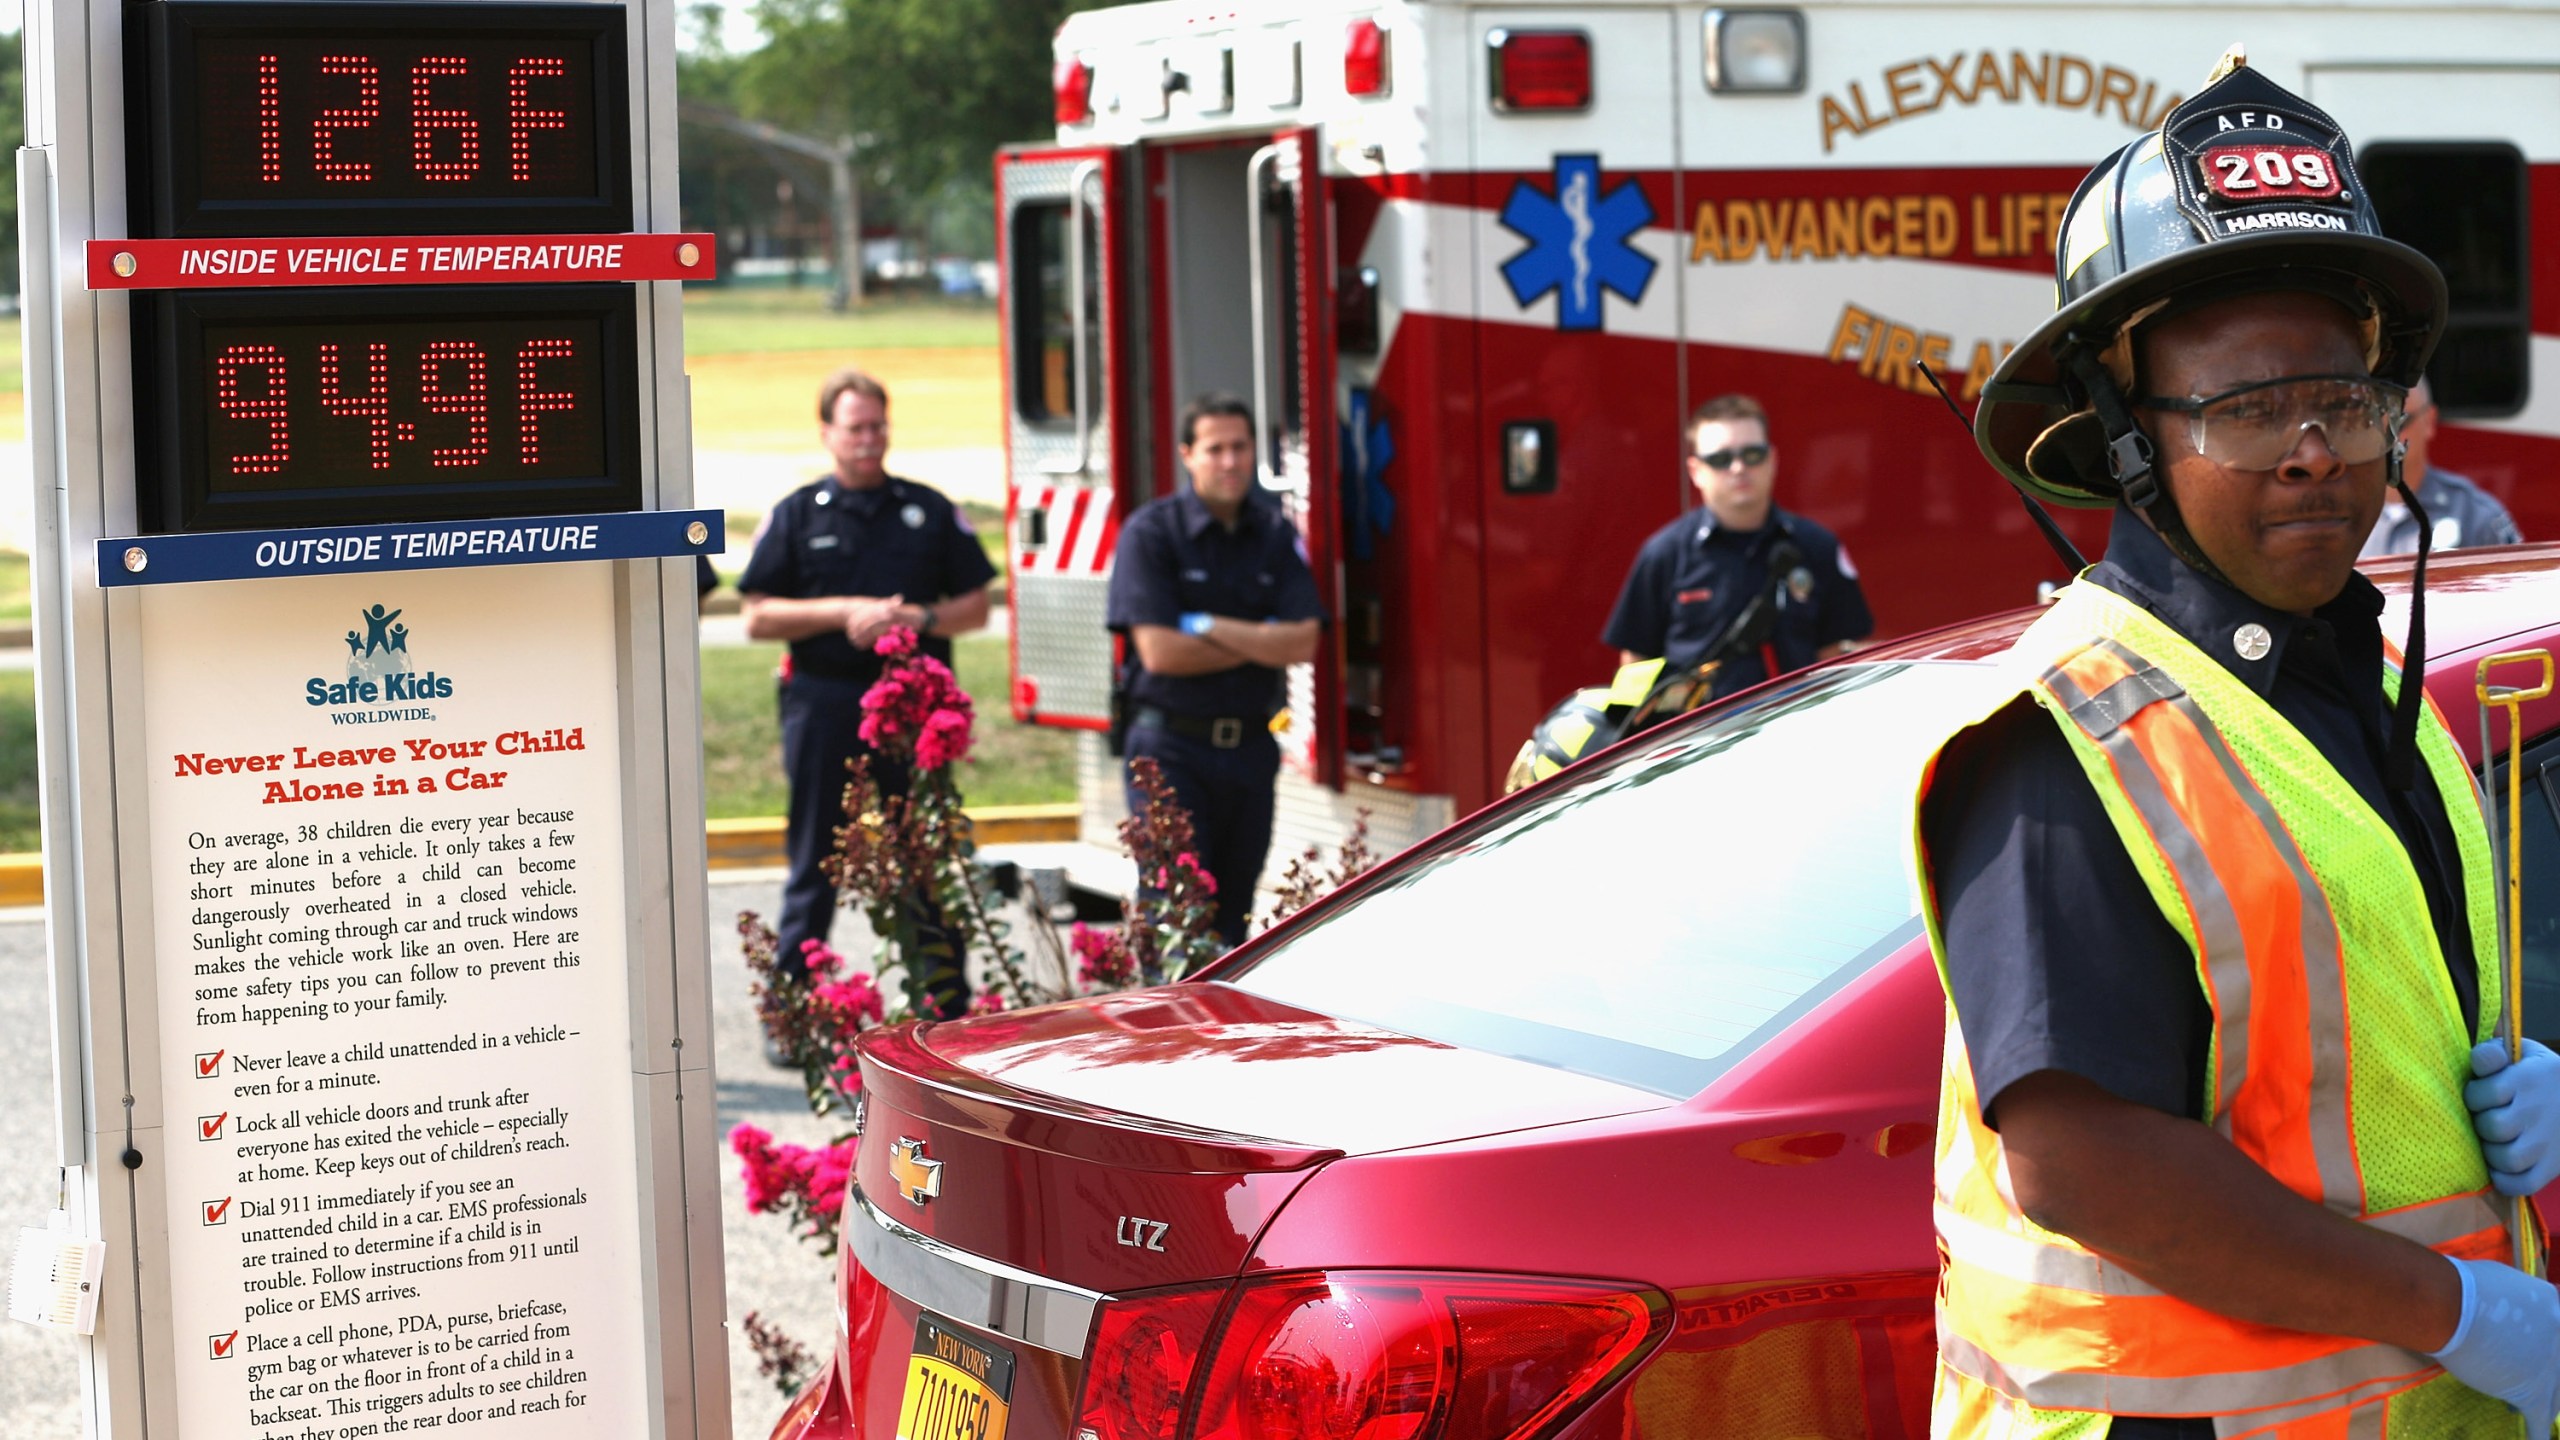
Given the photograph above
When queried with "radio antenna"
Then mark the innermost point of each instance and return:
(2053, 536)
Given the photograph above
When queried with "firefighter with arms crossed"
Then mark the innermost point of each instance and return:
(2225, 1130)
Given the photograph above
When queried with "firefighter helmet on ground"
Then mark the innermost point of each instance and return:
(2245, 187)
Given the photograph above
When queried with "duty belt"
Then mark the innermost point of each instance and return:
(1224, 731)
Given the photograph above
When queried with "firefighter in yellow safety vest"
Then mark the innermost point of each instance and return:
(2225, 1139)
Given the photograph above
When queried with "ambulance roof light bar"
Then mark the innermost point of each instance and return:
(1755, 52)
(1364, 59)
(1539, 70)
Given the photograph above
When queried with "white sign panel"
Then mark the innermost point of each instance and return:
(386, 840)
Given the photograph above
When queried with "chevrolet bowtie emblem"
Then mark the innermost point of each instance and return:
(918, 1179)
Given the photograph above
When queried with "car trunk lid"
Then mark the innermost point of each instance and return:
(1014, 1170)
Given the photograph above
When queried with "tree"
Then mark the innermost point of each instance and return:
(936, 85)
(13, 133)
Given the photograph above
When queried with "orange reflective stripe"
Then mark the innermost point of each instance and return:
(2327, 1425)
(2213, 917)
(2253, 1398)
(2283, 1082)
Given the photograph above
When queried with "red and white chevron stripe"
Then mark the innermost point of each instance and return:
(1082, 529)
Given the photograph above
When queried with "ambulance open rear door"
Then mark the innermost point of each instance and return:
(1067, 430)
(1290, 225)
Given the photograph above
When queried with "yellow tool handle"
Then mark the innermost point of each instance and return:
(2510, 699)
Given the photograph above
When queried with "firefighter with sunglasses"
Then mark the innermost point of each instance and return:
(1737, 583)
(2226, 1142)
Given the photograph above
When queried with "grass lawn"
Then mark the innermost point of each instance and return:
(17, 599)
(721, 320)
(756, 358)
(18, 828)
(742, 743)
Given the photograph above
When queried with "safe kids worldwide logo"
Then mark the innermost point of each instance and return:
(379, 671)
(1581, 242)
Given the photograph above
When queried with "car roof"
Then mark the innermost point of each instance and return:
(2474, 598)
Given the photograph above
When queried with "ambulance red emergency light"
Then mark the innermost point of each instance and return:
(1473, 263)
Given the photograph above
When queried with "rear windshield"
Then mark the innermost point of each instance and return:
(1655, 921)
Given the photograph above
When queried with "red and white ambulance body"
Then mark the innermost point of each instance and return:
(1473, 263)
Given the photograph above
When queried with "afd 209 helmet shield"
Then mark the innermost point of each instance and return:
(2245, 187)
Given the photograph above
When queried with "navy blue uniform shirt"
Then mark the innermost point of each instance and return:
(896, 538)
(1694, 576)
(2057, 956)
(1174, 559)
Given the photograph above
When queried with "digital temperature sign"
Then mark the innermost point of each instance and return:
(411, 404)
(389, 117)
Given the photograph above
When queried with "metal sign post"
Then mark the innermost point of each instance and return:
(369, 715)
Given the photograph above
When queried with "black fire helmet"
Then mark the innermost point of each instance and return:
(2246, 187)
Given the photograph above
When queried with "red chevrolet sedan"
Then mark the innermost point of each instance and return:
(1606, 1112)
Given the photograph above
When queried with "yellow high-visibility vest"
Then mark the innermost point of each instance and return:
(2337, 1061)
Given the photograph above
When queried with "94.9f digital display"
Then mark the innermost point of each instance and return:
(383, 118)
(398, 404)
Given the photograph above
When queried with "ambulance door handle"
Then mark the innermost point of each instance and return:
(1254, 171)
(1078, 363)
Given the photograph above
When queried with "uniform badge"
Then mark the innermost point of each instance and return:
(1800, 584)
(914, 516)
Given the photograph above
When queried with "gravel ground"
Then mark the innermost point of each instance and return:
(767, 1269)
(39, 1385)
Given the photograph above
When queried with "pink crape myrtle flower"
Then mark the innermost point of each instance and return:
(945, 739)
(854, 999)
(820, 957)
(829, 1170)
(986, 1002)
(773, 1174)
(916, 710)
(1101, 958)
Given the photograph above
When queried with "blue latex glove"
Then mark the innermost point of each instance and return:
(2508, 1344)
(1198, 622)
(2516, 1110)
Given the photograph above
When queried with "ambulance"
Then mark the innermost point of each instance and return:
(1472, 264)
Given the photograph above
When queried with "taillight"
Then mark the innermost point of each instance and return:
(1071, 82)
(1364, 58)
(1540, 69)
(1361, 1355)
(1138, 1369)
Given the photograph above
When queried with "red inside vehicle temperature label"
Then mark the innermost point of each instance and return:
(957, 1388)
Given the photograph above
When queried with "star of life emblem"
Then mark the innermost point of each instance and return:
(1581, 242)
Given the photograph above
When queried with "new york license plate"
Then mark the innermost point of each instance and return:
(957, 1388)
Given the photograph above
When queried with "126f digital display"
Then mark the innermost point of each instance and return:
(314, 405)
(381, 118)
(453, 118)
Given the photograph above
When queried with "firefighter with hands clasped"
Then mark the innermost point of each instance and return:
(2459, 512)
(2225, 1132)
(1738, 582)
(1211, 587)
(841, 561)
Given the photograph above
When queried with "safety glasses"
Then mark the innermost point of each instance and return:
(1726, 459)
(2253, 427)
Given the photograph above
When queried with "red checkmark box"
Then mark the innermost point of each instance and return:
(216, 1211)
(209, 1127)
(221, 1344)
(209, 1064)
